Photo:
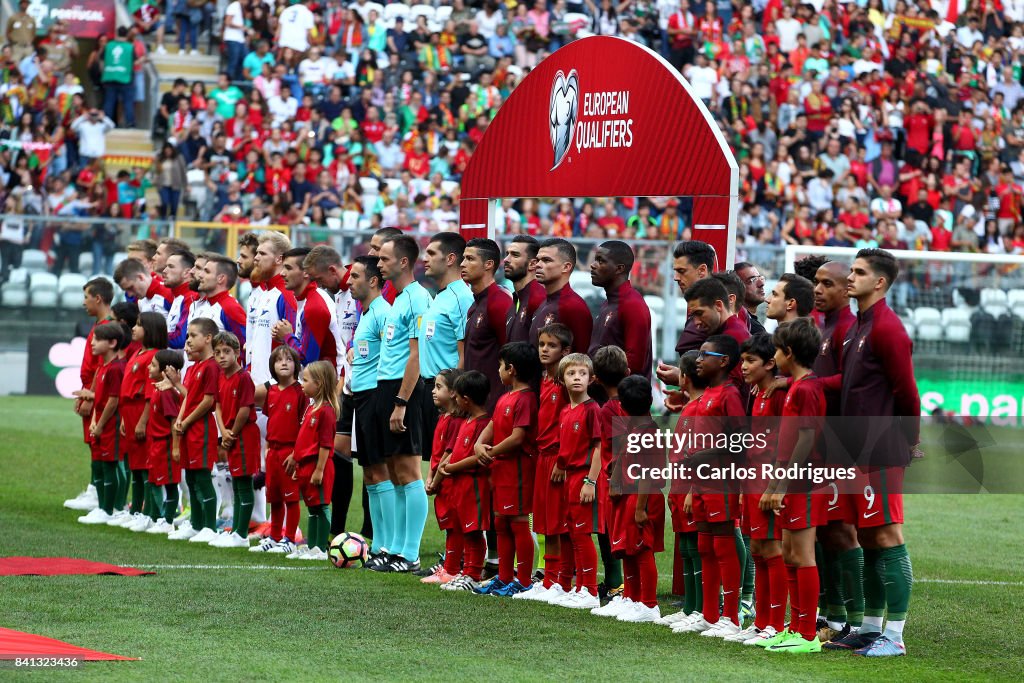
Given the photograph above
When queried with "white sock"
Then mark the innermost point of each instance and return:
(835, 625)
(871, 625)
(894, 630)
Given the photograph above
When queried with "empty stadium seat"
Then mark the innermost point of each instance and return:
(18, 277)
(33, 259)
(928, 322)
(421, 10)
(993, 296)
(395, 10)
(443, 13)
(44, 290)
(1015, 298)
(908, 325)
(957, 324)
(14, 292)
(118, 257)
(85, 262)
(996, 309)
(69, 290)
(656, 304)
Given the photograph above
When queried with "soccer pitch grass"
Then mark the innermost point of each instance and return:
(214, 615)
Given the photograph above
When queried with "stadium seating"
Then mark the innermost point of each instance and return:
(956, 323)
(69, 290)
(928, 323)
(393, 11)
(15, 290)
(44, 288)
(656, 304)
(33, 259)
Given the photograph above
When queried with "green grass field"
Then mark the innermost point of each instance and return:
(215, 615)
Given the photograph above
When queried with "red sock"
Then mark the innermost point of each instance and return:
(630, 578)
(276, 520)
(453, 549)
(762, 597)
(567, 563)
(475, 550)
(291, 520)
(808, 584)
(506, 548)
(524, 549)
(778, 592)
(586, 562)
(648, 578)
(794, 599)
(678, 581)
(552, 560)
(729, 566)
(710, 580)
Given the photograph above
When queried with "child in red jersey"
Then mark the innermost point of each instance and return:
(150, 331)
(104, 424)
(800, 511)
(549, 519)
(126, 314)
(757, 356)
(311, 461)
(508, 446)
(445, 434)
(680, 501)
(196, 427)
(715, 503)
(470, 489)
(164, 469)
(578, 464)
(284, 405)
(240, 437)
(611, 366)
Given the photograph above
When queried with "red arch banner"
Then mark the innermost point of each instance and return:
(601, 117)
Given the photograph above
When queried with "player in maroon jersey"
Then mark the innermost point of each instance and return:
(556, 260)
(486, 327)
(707, 304)
(519, 265)
(624, 320)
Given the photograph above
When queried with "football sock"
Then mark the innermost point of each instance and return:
(312, 525)
(851, 563)
(376, 514)
(259, 507)
(170, 502)
(96, 478)
(366, 531)
(678, 566)
(648, 571)
(324, 529)
(223, 497)
(764, 586)
(874, 593)
(612, 566)
(729, 564)
(196, 516)
(416, 510)
(110, 470)
(894, 565)
(207, 498)
(138, 490)
(747, 562)
(567, 562)
(341, 494)
(291, 520)
(453, 549)
(585, 555)
(807, 584)
(154, 501)
(398, 515)
(121, 470)
(492, 543)
(631, 578)
(385, 527)
(794, 599)
(552, 560)
(506, 548)
(474, 545)
(241, 488)
(276, 520)
(778, 592)
(694, 596)
(524, 549)
(710, 577)
(835, 607)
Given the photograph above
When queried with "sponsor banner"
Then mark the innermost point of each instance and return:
(85, 18)
(53, 365)
(997, 400)
(604, 117)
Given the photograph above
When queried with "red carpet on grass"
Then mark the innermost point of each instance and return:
(58, 566)
(18, 644)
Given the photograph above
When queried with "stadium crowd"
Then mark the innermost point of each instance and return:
(892, 124)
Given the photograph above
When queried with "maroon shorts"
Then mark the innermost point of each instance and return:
(758, 524)
(316, 494)
(443, 505)
(470, 502)
(281, 488)
(512, 484)
(841, 507)
(803, 511)
(629, 538)
(584, 518)
(137, 450)
(549, 513)
(162, 468)
(682, 523)
(244, 456)
(199, 446)
(715, 508)
(881, 499)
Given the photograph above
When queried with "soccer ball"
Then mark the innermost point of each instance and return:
(348, 550)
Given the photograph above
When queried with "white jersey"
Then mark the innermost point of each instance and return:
(347, 312)
(224, 311)
(296, 22)
(157, 300)
(177, 321)
(273, 304)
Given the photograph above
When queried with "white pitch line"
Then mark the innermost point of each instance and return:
(269, 567)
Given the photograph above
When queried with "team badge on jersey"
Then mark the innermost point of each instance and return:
(479, 319)
(860, 346)
(429, 329)
(135, 367)
(608, 317)
(465, 441)
(549, 318)
(575, 426)
(312, 421)
(364, 348)
(234, 393)
(824, 346)
(287, 407)
(508, 410)
(389, 334)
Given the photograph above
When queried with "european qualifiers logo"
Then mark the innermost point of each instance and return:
(603, 122)
(563, 112)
